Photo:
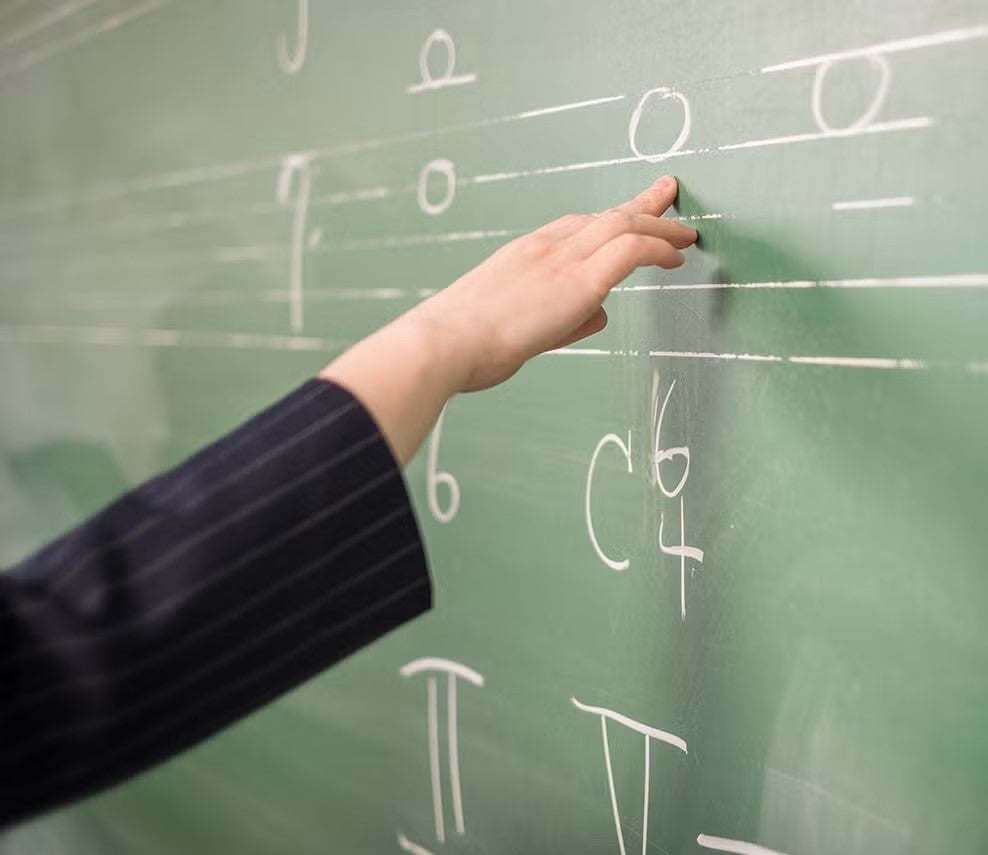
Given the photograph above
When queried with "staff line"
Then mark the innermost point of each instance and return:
(59, 13)
(57, 46)
(153, 338)
(874, 204)
(185, 219)
(930, 40)
(234, 168)
(206, 297)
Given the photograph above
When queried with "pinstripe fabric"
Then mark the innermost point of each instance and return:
(202, 595)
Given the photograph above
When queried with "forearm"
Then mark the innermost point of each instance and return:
(201, 595)
(403, 374)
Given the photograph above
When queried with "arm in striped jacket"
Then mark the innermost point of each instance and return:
(202, 595)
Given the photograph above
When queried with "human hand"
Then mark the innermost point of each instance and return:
(545, 289)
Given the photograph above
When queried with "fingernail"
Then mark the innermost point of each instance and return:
(666, 182)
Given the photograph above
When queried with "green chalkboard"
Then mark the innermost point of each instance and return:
(714, 580)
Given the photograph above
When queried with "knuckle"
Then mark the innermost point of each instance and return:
(635, 243)
(619, 219)
(533, 244)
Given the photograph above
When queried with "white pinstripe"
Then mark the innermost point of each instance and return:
(275, 665)
(62, 578)
(148, 491)
(232, 444)
(244, 606)
(189, 678)
(162, 607)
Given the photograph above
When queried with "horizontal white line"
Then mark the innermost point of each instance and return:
(137, 337)
(738, 847)
(416, 240)
(644, 729)
(223, 171)
(368, 194)
(233, 254)
(860, 362)
(589, 351)
(330, 294)
(942, 38)
(446, 666)
(57, 46)
(742, 357)
(877, 128)
(244, 254)
(546, 170)
(60, 13)
(184, 219)
(829, 361)
(102, 300)
(950, 281)
(441, 83)
(960, 280)
(869, 204)
(234, 169)
(545, 111)
(566, 167)
(162, 338)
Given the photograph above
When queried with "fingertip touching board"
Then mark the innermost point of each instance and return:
(712, 580)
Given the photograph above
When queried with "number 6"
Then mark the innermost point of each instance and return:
(435, 478)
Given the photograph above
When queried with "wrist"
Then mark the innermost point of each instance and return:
(446, 357)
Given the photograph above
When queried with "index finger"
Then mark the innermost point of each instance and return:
(656, 200)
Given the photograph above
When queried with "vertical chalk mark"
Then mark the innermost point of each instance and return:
(610, 784)
(437, 795)
(296, 164)
(682, 551)
(454, 755)
(682, 559)
(648, 761)
(292, 63)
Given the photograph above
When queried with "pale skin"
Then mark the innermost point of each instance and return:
(539, 292)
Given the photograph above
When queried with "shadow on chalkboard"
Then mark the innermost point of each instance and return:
(76, 477)
(743, 253)
(737, 251)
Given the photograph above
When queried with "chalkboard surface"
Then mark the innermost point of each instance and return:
(714, 580)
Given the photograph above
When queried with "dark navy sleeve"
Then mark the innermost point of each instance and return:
(201, 596)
